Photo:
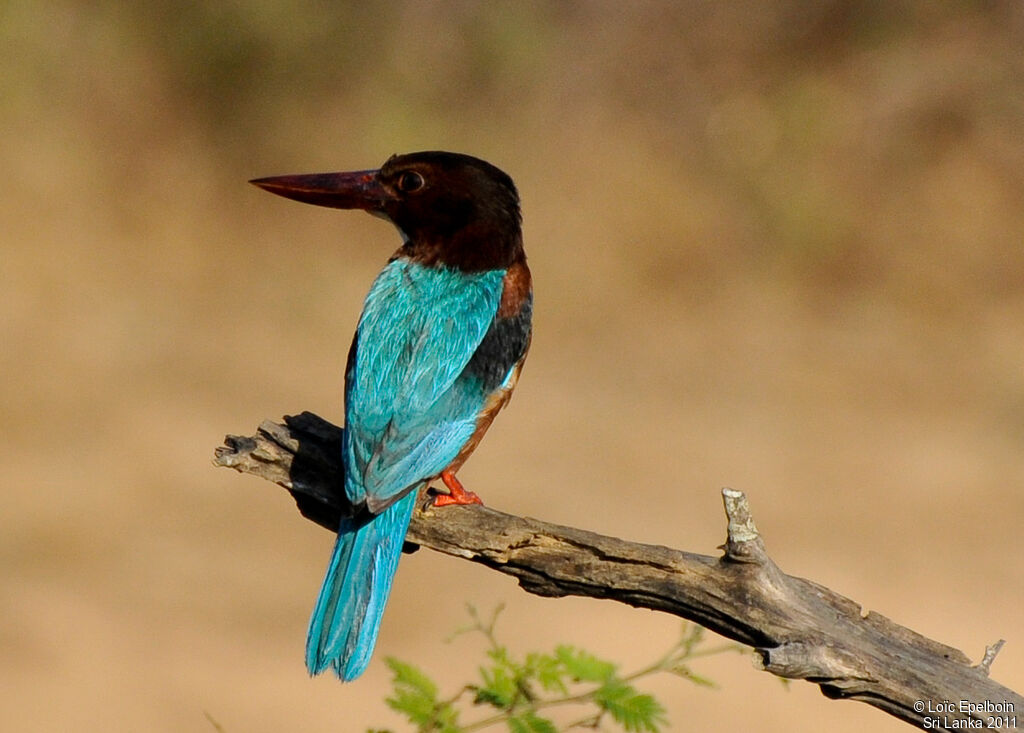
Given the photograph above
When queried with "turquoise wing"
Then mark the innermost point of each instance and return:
(410, 403)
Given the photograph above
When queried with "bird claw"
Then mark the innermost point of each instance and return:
(457, 494)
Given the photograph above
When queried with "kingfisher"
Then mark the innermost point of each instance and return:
(439, 346)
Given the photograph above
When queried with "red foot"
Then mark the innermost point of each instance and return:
(458, 494)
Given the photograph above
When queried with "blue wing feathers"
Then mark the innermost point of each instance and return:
(411, 404)
(419, 329)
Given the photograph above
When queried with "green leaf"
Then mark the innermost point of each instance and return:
(583, 666)
(548, 671)
(530, 722)
(417, 708)
(415, 696)
(499, 687)
(633, 710)
(411, 678)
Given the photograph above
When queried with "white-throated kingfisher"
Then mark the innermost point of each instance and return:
(443, 335)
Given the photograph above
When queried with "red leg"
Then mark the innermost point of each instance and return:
(458, 494)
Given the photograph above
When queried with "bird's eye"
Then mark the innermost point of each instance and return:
(410, 181)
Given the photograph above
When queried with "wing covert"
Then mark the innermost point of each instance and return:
(409, 405)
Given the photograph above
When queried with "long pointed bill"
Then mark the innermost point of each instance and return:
(354, 190)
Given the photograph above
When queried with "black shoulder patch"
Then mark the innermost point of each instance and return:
(503, 345)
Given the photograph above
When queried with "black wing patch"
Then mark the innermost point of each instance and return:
(503, 345)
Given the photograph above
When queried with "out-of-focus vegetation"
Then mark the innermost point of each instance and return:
(530, 693)
(776, 245)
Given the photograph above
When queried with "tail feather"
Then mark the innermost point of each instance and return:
(346, 618)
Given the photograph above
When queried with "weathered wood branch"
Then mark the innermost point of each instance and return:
(799, 629)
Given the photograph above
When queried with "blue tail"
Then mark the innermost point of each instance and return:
(343, 629)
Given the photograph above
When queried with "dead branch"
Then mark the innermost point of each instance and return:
(800, 629)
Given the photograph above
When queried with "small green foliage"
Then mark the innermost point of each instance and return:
(516, 690)
(415, 696)
(412, 678)
(499, 687)
(530, 722)
(548, 671)
(634, 710)
(583, 666)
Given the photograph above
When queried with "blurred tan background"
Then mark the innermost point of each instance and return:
(776, 246)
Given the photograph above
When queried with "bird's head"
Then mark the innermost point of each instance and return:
(452, 209)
